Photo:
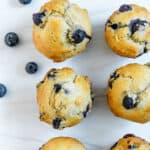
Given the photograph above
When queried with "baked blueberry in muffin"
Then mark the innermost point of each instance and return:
(127, 31)
(64, 98)
(131, 142)
(61, 30)
(129, 92)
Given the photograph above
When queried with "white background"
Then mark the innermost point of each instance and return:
(20, 128)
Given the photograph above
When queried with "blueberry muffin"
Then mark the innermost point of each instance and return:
(131, 142)
(64, 98)
(129, 92)
(127, 31)
(61, 30)
(63, 143)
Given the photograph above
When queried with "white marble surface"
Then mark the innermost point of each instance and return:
(20, 128)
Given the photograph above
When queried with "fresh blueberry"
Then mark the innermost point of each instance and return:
(125, 8)
(3, 90)
(25, 1)
(31, 67)
(78, 36)
(57, 88)
(135, 25)
(128, 102)
(37, 18)
(11, 39)
(56, 123)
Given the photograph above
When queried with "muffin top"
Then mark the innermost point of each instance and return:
(64, 98)
(63, 143)
(129, 92)
(61, 30)
(127, 31)
(131, 142)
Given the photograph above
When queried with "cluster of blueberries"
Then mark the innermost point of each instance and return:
(11, 40)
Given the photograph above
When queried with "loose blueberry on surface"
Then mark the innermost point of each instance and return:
(3, 90)
(11, 39)
(114, 26)
(125, 8)
(25, 1)
(56, 123)
(78, 36)
(86, 111)
(31, 67)
(129, 135)
(128, 102)
(135, 25)
(37, 18)
(57, 88)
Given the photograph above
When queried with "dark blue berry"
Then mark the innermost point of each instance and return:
(57, 88)
(125, 8)
(78, 36)
(128, 102)
(52, 73)
(37, 18)
(11, 39)
(132, 146)
(113, 77)
(25, 1)
(114, 26)
(135, 25)
(31, 67)
(3, 90)
(128, 135)
(86, 111)
(56, 123)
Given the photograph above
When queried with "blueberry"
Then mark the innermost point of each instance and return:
(128, 102)
(128, 135)
(57, 88)
(11, 39)
(125, 8)
(114, 26)
(86, 111)
(52, 73)
(56, 123)
(135, 25)
(25, 1)
(78, 36)
(31, 67)
(132, 146)
(37, 18)
(113, 77)
(3, 90)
